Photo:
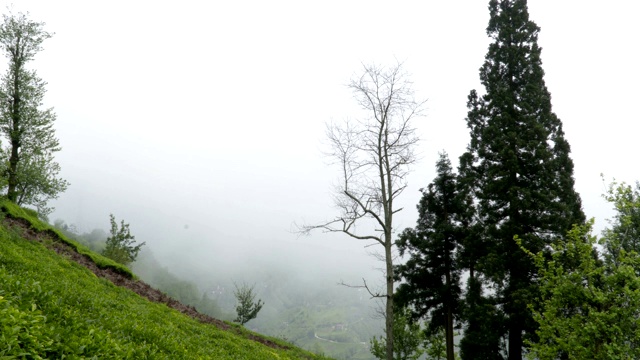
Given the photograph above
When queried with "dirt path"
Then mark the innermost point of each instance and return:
(323, 339)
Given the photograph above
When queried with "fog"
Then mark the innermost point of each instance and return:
(202, 123)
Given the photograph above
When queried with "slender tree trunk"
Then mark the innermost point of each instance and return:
(515, 341)
(384, 168)
(389, 305)
(15, 136)
(449, 326)
(450, 352)
(388, 140)
(12, 194)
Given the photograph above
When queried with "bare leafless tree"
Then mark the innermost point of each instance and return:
(375, 154)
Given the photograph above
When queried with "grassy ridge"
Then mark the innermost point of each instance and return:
(51, 307)
(31, 217)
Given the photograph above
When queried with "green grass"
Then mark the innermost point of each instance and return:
(14, 211)
(53, 308)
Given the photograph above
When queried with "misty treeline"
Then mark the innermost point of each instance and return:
(502, 253)
(28, 170)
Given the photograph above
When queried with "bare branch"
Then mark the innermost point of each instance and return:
(364, 286)
(329, 227)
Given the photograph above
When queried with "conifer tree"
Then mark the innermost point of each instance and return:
(432, 274)
(519, 166)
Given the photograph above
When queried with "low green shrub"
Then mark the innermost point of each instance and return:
(22, 333)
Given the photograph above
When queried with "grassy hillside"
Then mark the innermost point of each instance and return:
(53, 307)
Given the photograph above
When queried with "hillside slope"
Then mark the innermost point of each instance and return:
(51, 306)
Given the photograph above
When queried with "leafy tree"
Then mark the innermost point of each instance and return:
(411, 341)
(435, 347)
(374, 155)
(30, 173)
(519, 167)
(432, 274)
(121, 246)
(408, 338)
(624, 233)
(590, 309)
(247, 307)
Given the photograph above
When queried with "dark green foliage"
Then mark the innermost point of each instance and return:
(120, 246)
(432, 273)
(483, 325)
(247, 307)
(518, 165)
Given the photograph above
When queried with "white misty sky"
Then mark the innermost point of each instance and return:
(211, 114)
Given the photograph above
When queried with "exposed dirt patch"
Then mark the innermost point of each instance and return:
(141, 288)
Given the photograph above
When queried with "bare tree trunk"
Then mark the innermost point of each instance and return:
(389, 307)
(375, 155)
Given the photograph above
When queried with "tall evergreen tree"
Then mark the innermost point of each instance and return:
(431, 274)
(518, 164)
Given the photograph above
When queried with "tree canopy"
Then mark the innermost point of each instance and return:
(29, 171)
(247, 308)
(431, 274)
(121, 245)
(518, 167)
(590, 308)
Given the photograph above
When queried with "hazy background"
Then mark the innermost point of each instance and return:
(202, 123)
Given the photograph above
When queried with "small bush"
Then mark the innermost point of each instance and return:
(22, 333)
(121, 245)
(247, 308)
